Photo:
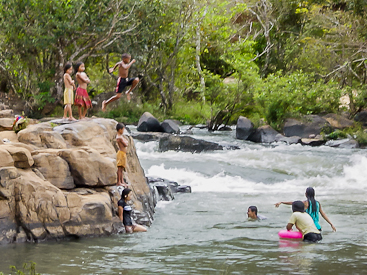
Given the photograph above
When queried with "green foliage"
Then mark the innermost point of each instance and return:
(27, 269)
(294, 94)
(336, 135)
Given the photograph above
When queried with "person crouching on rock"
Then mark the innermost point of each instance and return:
(124, 212)
(304, 223)
(121, 160)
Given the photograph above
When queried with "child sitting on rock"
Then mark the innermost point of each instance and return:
(121, 160)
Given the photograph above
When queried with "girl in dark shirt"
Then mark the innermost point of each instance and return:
(124, 211)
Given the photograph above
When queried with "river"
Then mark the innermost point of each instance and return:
(207, 231)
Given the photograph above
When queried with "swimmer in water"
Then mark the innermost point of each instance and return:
(252, 214)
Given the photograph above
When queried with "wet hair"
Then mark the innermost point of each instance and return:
(77, 65)
(310, 195)
(298, 206)
(125, 55)
(253, 209)
(67, 67)
(125, 193)
(120, 126)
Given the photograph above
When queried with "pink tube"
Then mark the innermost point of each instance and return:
(285, 234)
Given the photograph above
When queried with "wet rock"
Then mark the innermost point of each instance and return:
(188, 144)
(148, 123)
(343, 143)
(288, 140)
(338, 121)
(317, 141)
(174, 186)
(169, 126)
(263, 134)
(224, 128)
(310, 124)
(148, 136)
(244, 128)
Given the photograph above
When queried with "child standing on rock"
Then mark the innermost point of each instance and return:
(121, 160)
(82, 99)
(123, 80)
(68, 92)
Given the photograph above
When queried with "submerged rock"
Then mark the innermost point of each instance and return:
(288, 140)
(343, 143)
(166, 188)
(189, 144)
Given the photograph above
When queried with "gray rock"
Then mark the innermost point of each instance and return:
(169, 126)
(225, 128)
(189, 144)
(361, 117)
(343, 143)
(244, 128)
(310, 124)
(148, 123)
(264, 134)
(148, 136)
(288, 140)
(7, 113)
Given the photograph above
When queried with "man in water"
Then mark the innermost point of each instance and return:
(252, 214)
(304, 223)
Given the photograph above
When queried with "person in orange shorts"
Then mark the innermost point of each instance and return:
(121, 160)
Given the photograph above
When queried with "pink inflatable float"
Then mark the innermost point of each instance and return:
(285, 234)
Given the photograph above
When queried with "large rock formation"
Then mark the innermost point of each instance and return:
(148, 123)
(264, 134)
(59, 182)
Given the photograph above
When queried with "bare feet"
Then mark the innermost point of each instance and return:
(71, 119)
(64, 117)
(104, 105)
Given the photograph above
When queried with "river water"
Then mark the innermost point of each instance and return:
(207, 231)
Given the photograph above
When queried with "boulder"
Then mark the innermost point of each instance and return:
(263, 134)
(187, 144)
(361, 117)
(97, 133)
(89, 168)
(42, 136)
(169, 126)
(310, 124)
(7, 113)
(6, 124)
(54, 169)
(5, 157)
(148, 123)
(338, 121)
(244, 128)
(22, 157)
(9, 135)
(287, 140)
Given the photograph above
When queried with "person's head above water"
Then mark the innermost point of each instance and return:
(298, 206)
(252, 212)
(125, 194)
(310, 193)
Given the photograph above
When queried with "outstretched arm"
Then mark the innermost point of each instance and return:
(283, 202)
(114, 67)
(326, 218)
